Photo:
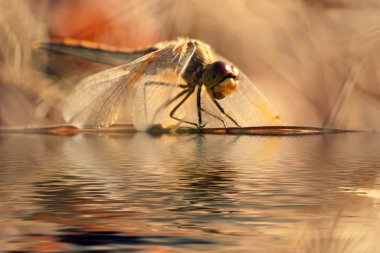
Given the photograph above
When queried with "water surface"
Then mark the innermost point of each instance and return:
(189, 193)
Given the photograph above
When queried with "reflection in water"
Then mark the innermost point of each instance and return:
(187, 193)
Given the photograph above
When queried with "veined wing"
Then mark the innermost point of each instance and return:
(96, 100)
(143, 86)
(96, 52)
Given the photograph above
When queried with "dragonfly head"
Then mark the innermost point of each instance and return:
(221, 79)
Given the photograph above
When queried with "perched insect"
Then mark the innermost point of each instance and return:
(171, 83)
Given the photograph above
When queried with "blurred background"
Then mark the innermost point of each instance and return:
(315, 60)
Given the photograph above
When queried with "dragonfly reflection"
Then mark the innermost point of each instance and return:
(171, 83)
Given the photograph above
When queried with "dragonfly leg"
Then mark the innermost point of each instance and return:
(167, 103)
(224, 113)
(163, 84)
(214, 116)
(199, 107)
(189, 92)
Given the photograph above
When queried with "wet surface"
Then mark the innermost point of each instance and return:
(113, 192)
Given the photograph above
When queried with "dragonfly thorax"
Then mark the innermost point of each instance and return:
(221, 79)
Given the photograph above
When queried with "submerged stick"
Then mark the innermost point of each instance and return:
(67, 130)
(266, 130)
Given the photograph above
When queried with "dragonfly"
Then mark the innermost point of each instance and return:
(182, 82)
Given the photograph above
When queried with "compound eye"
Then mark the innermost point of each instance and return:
(217, 72)
(220, 69)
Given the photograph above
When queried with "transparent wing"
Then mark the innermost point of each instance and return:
(96, 99)
(141, 89)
